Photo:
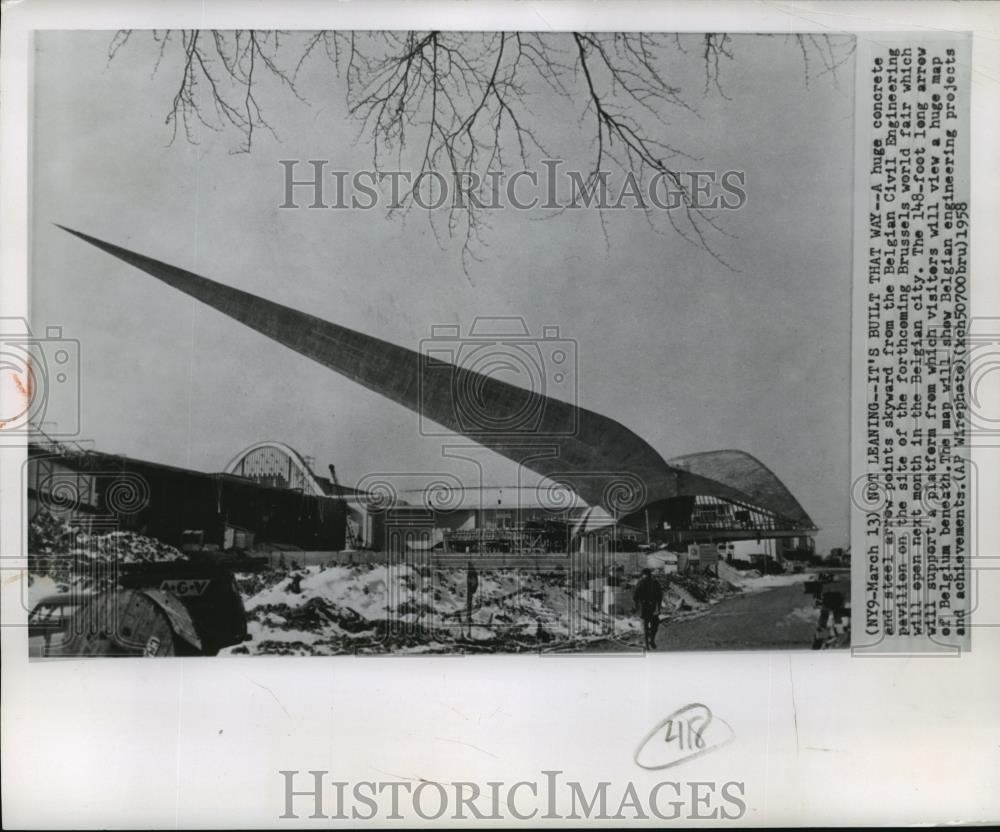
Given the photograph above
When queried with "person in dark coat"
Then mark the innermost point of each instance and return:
(648, 598)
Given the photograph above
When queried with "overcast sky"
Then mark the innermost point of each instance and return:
(690, 355)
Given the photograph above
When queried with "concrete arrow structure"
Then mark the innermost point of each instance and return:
(602, 461)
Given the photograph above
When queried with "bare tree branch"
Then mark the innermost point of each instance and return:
(465, 99)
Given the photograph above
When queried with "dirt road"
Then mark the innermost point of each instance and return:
(782, 619)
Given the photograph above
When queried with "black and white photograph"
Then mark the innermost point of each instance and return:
(428, 342)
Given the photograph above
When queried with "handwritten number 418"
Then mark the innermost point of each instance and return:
(687, 733)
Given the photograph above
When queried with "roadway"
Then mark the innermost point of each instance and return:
(784, 618)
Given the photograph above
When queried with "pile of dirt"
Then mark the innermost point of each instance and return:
(362, 608)
(736, 577)
(703, 589)
(125, 547)
(72, 557)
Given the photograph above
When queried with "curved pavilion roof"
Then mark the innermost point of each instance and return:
(749, 475)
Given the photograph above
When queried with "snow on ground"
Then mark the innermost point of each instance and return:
(63, 558)
(337, 609)
(360, 589)
(761, 582)
(751, 580)
(321, 610)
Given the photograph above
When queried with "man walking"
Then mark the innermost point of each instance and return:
(648, 597)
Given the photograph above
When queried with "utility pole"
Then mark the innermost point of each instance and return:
(352, 541)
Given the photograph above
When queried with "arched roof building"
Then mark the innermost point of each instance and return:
(598, 458)
(280, 465)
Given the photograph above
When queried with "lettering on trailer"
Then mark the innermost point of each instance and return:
(181, 587)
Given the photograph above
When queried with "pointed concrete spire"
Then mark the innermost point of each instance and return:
(598, 458)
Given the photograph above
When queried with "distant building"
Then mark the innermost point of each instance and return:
(269, 497)
(100, 492)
